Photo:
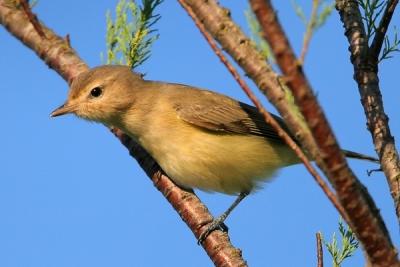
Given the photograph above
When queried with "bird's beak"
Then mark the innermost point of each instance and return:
(63, 109)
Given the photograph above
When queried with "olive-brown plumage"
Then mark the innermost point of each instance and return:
(201, 139)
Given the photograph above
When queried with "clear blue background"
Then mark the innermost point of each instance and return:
(70, 195)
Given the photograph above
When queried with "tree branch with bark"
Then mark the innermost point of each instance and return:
(365, 63)
(58, 55)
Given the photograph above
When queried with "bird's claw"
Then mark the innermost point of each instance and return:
(216, 224)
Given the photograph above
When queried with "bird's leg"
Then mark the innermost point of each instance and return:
(218, 223)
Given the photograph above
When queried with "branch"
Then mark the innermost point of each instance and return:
(365, 218)
(380, 33)
(32, 18)
(309, 31)
(366, 76)
(320, 255)
(18, 24)
(64, 60)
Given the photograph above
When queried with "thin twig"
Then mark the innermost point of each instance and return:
(380, 32)
(370, 172)
(267, 116)
(32, 18)
(365, 218)
(309, 31)
(67, 39)
(65, 61)
(320, 255)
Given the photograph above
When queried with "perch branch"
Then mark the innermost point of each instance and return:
(57, 54)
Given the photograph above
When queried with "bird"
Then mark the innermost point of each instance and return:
(201, 139)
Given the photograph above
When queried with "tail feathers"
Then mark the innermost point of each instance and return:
(355, 155)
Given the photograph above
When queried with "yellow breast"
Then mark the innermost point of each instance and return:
(210, 161)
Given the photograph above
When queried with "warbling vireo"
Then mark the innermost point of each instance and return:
(201, 139)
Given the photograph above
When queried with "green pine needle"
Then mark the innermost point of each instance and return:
(390, 47)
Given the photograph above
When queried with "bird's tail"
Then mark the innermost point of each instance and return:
(355, 155)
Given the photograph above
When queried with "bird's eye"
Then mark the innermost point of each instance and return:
(96, 92)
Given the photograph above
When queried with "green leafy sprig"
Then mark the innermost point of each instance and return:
(349, 245)
(130, 37)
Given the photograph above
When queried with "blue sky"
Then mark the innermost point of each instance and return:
(70, 195)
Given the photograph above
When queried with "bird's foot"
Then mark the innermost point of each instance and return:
(216, 224)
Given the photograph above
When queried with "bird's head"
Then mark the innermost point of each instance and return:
(101, 94)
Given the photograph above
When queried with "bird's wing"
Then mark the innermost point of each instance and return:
(218, 113)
